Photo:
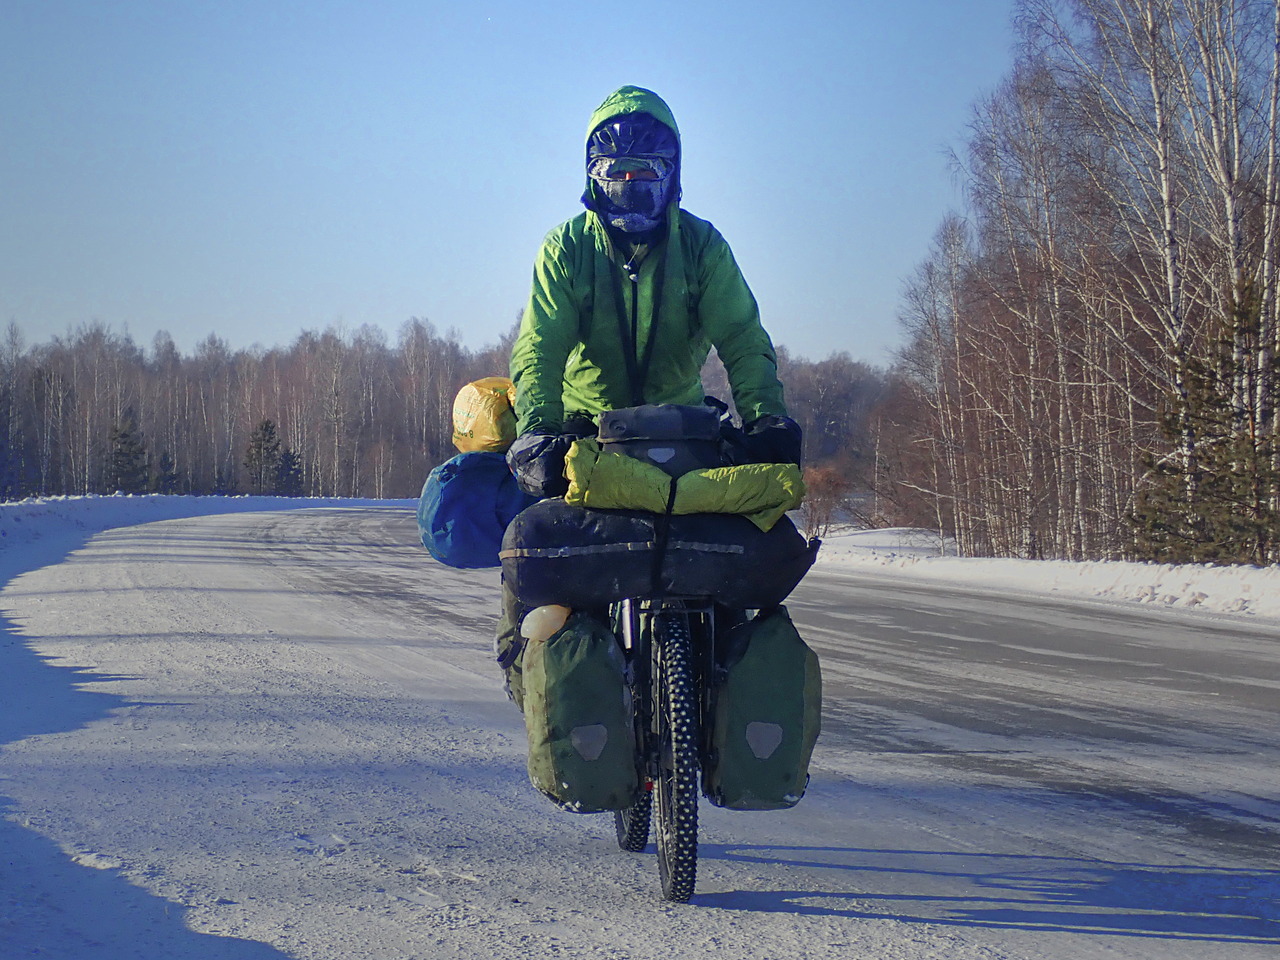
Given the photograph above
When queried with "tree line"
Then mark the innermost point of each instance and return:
(336, 413)
(1091, 364)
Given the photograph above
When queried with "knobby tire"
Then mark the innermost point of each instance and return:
(676, 714)
(632, 824)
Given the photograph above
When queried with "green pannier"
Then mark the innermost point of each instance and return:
(766, 714)
(577, 712)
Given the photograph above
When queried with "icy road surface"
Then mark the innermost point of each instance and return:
(268, 735)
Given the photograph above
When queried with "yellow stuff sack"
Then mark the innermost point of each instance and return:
(482, 416)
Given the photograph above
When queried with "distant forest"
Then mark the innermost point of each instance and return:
(335, 413)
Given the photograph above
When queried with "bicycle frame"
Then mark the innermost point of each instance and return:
(631, 627)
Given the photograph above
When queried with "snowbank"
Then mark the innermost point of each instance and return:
(1245, 590)
(40, 531)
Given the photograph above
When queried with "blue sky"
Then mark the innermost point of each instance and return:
(254, 169)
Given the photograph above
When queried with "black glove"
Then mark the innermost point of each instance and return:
(772, 439)
(537, 461)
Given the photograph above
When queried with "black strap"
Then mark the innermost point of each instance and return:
(629, 332)
(662, 536)
(626, 341)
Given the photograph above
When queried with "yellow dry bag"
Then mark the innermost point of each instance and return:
(482, 416)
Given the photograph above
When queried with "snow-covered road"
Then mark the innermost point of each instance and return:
(264, 735)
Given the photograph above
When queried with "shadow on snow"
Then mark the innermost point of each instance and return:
(49, 904)
(1022, 892)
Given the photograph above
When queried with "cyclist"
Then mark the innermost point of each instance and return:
(628, 299)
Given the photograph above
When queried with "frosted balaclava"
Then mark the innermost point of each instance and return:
(633, 161)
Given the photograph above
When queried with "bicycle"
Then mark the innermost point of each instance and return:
(670, 647)
(680, 572)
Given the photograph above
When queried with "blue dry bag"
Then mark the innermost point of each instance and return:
(465, 507)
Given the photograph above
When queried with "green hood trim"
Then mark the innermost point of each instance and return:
(624, 100)
(630, 99)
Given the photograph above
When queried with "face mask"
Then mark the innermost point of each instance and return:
(632, 162)
(634, 191)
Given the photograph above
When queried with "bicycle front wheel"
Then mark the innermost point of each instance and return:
(676, 789)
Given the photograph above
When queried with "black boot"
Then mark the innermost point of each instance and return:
(509, 645)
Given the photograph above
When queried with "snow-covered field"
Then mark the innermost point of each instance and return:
(256, 729)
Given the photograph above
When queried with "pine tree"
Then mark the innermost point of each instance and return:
(10, 450)
(128, 467)
(288, 475)
(165, 478)
(8, 477)
(1231, 515)
(224, 485)
(262, 457)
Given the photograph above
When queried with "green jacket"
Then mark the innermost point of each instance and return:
(588, 332)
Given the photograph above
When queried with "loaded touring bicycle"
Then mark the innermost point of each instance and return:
(658, 660)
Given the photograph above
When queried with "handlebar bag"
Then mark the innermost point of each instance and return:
(765, 716)
(672, 437)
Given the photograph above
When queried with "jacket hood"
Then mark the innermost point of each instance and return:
(630, 99)
(624, 100)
